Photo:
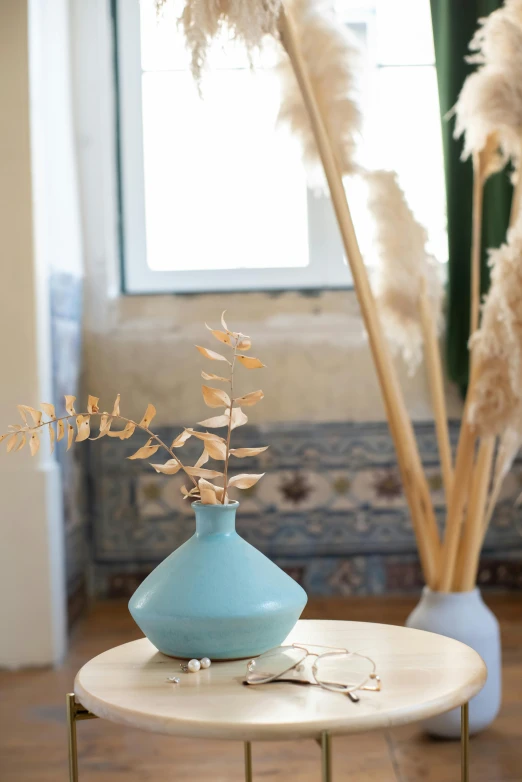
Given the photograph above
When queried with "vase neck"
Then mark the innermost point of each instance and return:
(215, 519)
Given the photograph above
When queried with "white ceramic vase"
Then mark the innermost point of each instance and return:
(465, 617)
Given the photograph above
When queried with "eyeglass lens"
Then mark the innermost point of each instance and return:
(274, 663)
(343, 671)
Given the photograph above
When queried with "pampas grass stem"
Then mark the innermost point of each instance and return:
(478, 200)
(473, 530)
(508, 447)
(479, 516)
(469, 523)
(467, 436)
(408, 456)
(436, 383)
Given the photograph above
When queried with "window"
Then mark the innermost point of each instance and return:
(214, 193)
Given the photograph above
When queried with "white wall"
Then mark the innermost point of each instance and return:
(39, 225)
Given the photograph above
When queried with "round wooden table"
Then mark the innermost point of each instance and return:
(422, 675)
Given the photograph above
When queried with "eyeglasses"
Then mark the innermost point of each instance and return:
(336, 670)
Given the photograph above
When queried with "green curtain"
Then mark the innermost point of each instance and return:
(454, 23)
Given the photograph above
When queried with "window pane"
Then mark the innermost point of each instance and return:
(223, 188)
(402, 133)
(403, 32)
(163, 45)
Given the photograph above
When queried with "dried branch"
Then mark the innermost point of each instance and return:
(232, 417)
(214, 446)
(18, 437)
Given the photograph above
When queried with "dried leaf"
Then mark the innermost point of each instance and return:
(206, 490)
(244, 481)
(61, 430)
(130, 426)
(223, 322)
(14, 428)
(116, 408)
(212, 354)
(238, 417)
(35, 414)
(70, 435)
(92, 404)
(105, 425)
(181, 439)
(69, 404)
(169, 468)
(203, 459)
(23, 440)
(3, 436)
(245, 343)
(48, 410)
(83, 423)
(241, 453)
(205, 435)
(52, 436)
(192, 493)
(221, 336)
(21, 410)
(12, 442)
(150, 412)
(124, 434)
(216, 449)
(34, 443)
(200, 472)
(216, 422)
(215, 397)
(250, 362)
(218, 490)
(144, 452)
(210, 376)
(250, 399)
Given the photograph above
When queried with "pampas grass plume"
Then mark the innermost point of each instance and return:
(498, 39)
(496, 403)
(490, 101)
(330, 55)
(247, 21)
(403, 264)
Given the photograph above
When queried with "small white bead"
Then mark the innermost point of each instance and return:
(205, 662)
(194, 665)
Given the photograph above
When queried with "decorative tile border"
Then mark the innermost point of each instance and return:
(66, 329)
(330, 510)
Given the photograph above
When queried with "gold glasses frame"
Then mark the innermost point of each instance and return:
(372, 683)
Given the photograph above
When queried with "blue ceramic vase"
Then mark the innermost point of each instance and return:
(216, 595)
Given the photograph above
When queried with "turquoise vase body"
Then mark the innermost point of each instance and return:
(216, 595)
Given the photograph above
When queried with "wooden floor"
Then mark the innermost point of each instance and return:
(33, 739)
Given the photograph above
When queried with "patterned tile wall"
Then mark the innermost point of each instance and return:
(330, 510)
(66, 313)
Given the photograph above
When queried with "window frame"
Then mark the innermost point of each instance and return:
(327, 268)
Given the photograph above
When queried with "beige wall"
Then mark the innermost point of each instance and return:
(319, 366)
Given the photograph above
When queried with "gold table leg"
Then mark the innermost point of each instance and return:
(326, 757)
(75, 712)
(248, 761)
(464, 742)
(71, 737)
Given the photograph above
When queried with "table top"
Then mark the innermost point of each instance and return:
(422, 674)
